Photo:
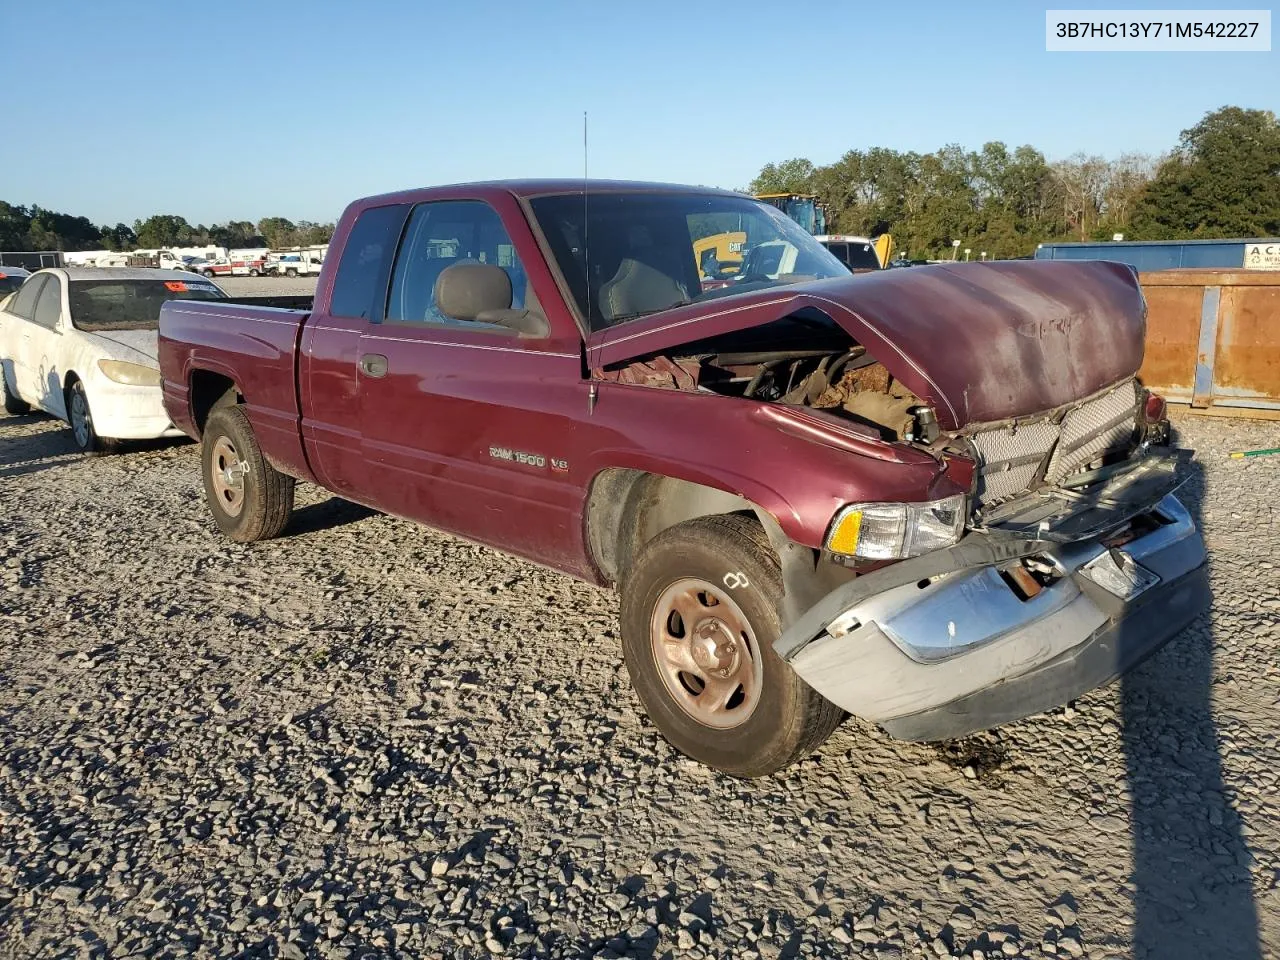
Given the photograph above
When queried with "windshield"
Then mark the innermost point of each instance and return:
(131, 304)
(641, 253)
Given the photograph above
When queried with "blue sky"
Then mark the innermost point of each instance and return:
(242, 110)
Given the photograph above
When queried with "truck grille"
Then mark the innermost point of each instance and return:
(1012, 458)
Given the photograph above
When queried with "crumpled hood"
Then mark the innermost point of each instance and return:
(143, 342)
(977, 341)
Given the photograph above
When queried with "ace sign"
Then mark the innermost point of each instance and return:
(1262, 256)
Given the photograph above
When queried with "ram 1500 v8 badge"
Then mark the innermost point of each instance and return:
(935, 498)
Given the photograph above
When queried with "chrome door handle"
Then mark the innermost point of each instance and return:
(373, 365)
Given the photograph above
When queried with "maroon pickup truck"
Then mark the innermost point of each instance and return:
(934, 498)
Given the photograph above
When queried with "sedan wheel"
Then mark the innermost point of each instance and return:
(80, 416)
(13, 404)
(81, 424)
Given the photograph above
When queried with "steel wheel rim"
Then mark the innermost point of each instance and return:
(227, 474)
(81, 423)
(706, 653)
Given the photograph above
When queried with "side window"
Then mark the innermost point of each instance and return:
(49, 306)
(361, 282)
(24, 301)
(441, 234)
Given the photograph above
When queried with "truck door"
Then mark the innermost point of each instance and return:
(460, 420)
(328, 381)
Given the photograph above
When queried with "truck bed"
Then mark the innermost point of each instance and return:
(249, 343)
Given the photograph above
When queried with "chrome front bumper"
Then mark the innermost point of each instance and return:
(941, 646)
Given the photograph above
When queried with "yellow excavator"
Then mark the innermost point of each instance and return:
(859, 254)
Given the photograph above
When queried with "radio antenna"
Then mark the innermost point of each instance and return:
(586, 247)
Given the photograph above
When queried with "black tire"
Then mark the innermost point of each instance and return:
(255, 272)
(12, 404)
(80, 420)
(790, 719)
(266, 494)
(209, 273)
(291, 273)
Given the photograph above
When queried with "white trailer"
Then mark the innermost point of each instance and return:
(297, 262)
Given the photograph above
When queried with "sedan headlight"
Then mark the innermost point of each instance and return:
(134, 374)
(890, 531)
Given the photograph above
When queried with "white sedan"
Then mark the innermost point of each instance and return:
(82, 344)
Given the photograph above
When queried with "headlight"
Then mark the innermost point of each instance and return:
(889, 531)
(134, 374)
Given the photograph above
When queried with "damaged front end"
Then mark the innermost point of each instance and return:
(1076, 563)
(1001, 626)
(1069, 559)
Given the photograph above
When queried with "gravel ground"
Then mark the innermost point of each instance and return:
(369, 739)
(265, 286)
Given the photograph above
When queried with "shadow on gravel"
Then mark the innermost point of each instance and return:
(32, 454)
(44, 451)
(1193, 896)
(334, 512)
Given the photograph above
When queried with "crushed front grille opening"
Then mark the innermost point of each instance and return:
(1013, 459)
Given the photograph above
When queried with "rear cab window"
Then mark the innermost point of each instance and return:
(359, 289)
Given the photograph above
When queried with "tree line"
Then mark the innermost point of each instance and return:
(1221, 180)
(35, 228)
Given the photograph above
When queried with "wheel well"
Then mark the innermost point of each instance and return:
(209, 391)
(627, 508)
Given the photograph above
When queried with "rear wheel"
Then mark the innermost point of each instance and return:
(250, 499)
(12, 403)
(699, 620)
(255, 272)
(80, 417)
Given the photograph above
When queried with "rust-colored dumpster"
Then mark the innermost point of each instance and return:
(1213, 340)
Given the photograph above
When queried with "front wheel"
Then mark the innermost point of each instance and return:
(291, 273)
(699, 620)
(80, 417)
(250, 499)
(12, 402)
(209, 273)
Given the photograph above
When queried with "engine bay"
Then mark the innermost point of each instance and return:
(798, 361)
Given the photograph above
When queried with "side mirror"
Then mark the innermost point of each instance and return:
(482, 292)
